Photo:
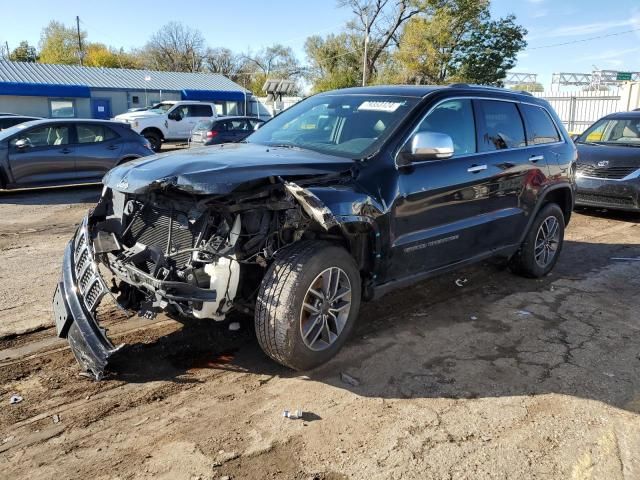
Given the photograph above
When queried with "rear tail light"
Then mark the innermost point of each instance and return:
(211, 134)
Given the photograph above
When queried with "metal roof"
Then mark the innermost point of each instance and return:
(112, 78)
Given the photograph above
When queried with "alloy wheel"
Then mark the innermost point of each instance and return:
(547, 241)
(325, 309)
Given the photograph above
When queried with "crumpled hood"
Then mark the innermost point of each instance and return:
(220, 169)
(617, 156)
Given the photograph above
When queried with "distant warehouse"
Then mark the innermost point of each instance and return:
(66, 91)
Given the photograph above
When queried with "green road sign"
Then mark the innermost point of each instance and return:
(623, 76)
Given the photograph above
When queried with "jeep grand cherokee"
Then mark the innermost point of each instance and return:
(341, 198)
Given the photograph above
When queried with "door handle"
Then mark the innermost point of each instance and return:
(476, 168)
(112, 147)
(65, 150)
(536, 158)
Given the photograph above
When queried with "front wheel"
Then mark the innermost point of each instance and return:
(542, 245)
(308, 303)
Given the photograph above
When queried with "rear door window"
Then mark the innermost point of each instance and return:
(239, 125)
(199, 111)
(88, 133)
(501, 126)
(540, 127)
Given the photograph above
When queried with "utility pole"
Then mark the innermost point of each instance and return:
(80, 51)
(366, 45)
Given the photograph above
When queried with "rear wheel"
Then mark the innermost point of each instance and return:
(154, 140)
(308, 303)
(542, 245)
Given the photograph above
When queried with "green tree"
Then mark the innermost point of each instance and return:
(489, 51)
(456, 40)
(334, 61)
(59, 44)
(429, 42)
(24, 53)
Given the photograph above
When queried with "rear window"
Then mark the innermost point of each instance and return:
(502, 126)
(540, 127)
(204, 125)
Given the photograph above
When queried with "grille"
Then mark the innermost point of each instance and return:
(151, 228)
(615, 173)
(605, 199)
(82, 262)
(80, 243)
(91, 287)
(85, 279)
(93, 295)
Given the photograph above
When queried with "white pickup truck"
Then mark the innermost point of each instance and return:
(168, 120)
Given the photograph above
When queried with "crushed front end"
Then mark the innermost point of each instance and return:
(199, 256)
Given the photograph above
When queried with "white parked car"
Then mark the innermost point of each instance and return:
(168, 121)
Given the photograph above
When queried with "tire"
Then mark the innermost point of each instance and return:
(280, 317)
(154, 140)
(527, 261)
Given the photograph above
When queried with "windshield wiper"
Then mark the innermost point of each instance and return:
(283, 145)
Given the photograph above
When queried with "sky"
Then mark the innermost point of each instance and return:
(243, 25)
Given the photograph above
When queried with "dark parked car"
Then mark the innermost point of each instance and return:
(609, 163)
(223, 130)
(341, 198)
(64, 152)
(7, 121)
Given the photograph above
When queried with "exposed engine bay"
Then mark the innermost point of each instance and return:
(198, 256)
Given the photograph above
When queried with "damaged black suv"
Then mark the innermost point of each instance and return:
(342, 197)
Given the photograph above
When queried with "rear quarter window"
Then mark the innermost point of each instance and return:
(540, 127)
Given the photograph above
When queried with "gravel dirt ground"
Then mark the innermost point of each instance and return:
(503, 377)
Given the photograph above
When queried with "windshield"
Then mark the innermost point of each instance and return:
(7, 132)
(621, 131)
(160, 107)
(352, 126)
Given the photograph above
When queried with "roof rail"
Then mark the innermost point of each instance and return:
(523, 92)
(488, 87)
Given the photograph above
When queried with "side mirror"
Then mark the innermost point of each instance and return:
(574, 136)
(22, 144)
(175, 115)
(425, 146)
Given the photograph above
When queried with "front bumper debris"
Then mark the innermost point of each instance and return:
(77, 296)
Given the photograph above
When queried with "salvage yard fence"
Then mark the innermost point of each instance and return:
(578, 110)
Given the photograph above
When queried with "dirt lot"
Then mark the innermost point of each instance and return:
(501, 378)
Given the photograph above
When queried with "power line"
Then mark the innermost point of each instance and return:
(583, 40)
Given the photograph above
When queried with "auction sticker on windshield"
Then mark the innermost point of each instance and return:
(380, 106)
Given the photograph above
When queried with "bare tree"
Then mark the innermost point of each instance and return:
(176, 47)
(379, 22)
(276, 61)
(223, 61)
